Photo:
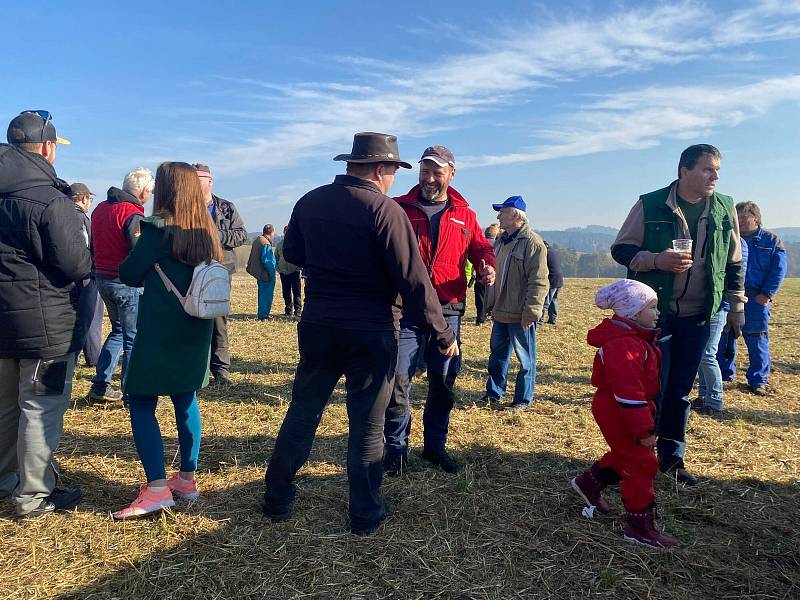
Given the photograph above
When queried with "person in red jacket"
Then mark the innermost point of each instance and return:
(449, 234)
(626, 373)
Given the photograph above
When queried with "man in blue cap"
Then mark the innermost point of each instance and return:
(516, 303)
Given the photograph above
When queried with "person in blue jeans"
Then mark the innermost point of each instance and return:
(766, 269)
(516, 303)
(709, 398)
(115, 230)
(266, 289)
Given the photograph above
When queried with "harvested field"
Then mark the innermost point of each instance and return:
(507, 527)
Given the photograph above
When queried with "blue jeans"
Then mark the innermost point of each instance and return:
(147, 434)
(506, 336)
(266, 291)
(416, 343)
(709, 374)
(688, 336)
(122, 304)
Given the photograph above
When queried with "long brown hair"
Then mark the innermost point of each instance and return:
(179, 201)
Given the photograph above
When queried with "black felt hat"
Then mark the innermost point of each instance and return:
(371, 147)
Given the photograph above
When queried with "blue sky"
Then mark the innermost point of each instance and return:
(577, 106)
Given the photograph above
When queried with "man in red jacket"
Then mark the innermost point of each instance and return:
(115, 229)
(449, 234)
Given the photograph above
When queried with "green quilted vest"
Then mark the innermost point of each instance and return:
(660, 227)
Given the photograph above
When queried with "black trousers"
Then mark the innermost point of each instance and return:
(480, 302)
(368, 360)
(292, 299)
(220, 351)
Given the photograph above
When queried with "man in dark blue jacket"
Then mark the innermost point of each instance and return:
(556, 279)
(766, 269)
(43, 259)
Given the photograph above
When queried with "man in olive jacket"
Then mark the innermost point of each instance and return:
(44, 258)
(351, 320)
(690, 285)
(516, 301)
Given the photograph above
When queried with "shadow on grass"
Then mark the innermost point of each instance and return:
(485, 532)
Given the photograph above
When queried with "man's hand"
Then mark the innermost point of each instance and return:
(675, 262)
(486, 273)
(526, 322)
(649, 441)
(451, 351)
(735, 323)
(763, 299)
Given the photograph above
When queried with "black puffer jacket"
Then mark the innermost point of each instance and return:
(42, 254)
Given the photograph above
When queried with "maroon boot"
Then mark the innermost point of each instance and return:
(641, 529)
(589, 486)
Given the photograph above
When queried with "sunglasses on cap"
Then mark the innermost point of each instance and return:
(46, 116)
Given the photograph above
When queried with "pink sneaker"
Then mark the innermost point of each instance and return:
(148, 501)
(182, 488)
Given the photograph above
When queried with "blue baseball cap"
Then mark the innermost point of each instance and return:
(513, 202)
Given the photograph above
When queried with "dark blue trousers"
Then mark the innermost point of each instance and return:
(683, 341)
(442, 372)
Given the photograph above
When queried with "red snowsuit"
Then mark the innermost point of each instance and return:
(626, 374)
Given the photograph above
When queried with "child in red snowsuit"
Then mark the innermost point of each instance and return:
(626, 374)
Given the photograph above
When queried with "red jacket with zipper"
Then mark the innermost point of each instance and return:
(460, 238)
(626, 372)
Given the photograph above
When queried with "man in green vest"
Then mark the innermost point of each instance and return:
(690, 283)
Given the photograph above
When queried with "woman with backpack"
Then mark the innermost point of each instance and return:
(171, 352)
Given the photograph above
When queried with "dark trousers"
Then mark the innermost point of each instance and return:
(90, 313)
(442, 371)
(550, 307)
(684, 340)
(480, 302)
(368, 360)
(292, 299)
(220, 351)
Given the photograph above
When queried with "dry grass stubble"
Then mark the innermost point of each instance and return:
(506, 527)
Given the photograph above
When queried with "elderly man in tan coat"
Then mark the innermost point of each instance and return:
(516, 302)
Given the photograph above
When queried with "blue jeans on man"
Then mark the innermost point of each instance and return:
(550, 307)
(122, 305)
(688, 336)
(415, 343)
(505, 337)
(709, 374)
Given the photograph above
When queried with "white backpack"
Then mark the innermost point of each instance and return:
(209, 293)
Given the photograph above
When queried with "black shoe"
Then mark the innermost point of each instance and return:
(707, 411)
(275, 517)
(441, 459)
(265, 318)
(109, 395)
(287, 313)
(395, 464)
(490, 400)
(758, 390)
(222, 379)
(59, 499)
(366, 530)
(681, 475)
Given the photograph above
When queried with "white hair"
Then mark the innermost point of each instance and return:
(138, 180)
(519, 215)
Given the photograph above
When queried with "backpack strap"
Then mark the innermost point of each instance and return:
(167, 283)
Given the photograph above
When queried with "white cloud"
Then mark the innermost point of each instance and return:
(301, 120)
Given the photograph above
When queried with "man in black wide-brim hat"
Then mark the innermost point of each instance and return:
(359, 252)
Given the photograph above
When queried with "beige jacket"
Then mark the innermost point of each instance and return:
(521, 283)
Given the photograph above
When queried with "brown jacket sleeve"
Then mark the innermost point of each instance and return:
(408, 273)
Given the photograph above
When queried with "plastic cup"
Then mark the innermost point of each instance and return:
(683, 246)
